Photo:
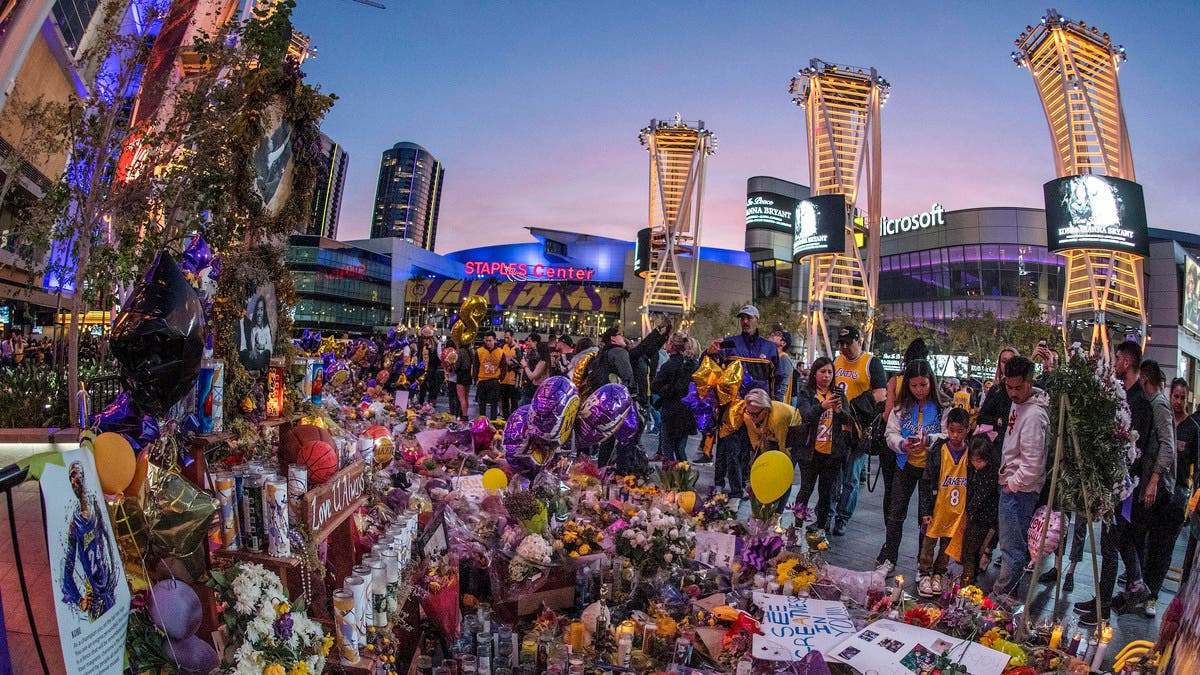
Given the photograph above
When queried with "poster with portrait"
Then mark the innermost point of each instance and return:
(255, 332)
(91, 597)
(273, 161)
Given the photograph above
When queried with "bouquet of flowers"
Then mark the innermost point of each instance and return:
(652, 539)
(532, 557)
(266, 633)
(576, 539)
(678, 477)
(715, 508)
(528, 510)
(1094, 476)
(437, 590)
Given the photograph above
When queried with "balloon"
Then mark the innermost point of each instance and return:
(321, 460)
(627, 433)
(601, 414)
(704, 408)
(494, 480)
(179, 514)
(771, 476)
(482, 433)
(158, 339)
(385, 448)
(193, 655)
(115, 462)
(554, 406)
(337, 373)
(139, 474)
(196, 256)
(1053, 532)
(726, 381)
(470, 315)
(121, 416)
(525, 453)
(291, 440)
(461, 336)
(580, 364)
(175, 608)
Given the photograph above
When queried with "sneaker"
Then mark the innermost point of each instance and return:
(1049, 576)
(925, 587)
(1088, 618)
(1148, 609)
(1131, 600)
(1068, 582)
(887, 567)
(702, 459)
(936, 584)
(839, 528)
(1123, 579)
(1083, 606)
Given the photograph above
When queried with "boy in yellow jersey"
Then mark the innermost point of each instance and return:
(487, 375)
(943, 502)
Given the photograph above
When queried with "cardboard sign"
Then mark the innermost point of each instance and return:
(895, 648)
(91, 597)
(324, 503)
(792, 627)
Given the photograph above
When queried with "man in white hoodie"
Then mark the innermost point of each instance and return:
(1022, 474)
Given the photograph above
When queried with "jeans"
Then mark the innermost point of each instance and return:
(488, 394)
(928, 563)
(508, 399)
(820, 474)
(1078, 538)
(431, 387)
(452, 395)
(1016, 512)
(732, 464)
(887, 473)
(1158, 543)
(903, 485)
(847, 486)
(671, 444)
(1118, 541)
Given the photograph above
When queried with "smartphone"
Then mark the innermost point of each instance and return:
(840, 387)
(728, 344)
(1042, 343)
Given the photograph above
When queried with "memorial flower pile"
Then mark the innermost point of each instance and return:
(653, 539)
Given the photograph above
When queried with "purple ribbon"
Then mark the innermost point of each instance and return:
(760, 551)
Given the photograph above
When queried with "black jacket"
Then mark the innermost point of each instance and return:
(611, 364)
(842, 428)
(671, 384)
(983, 496)
(995, 410)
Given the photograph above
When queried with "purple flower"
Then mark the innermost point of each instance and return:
(801, 511)
(283, 626)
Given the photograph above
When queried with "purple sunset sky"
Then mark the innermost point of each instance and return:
(534, 108)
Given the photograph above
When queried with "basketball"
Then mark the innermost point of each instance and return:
(293, 439)
(385, 449)
(321, 460)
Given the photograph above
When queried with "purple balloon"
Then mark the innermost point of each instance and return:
(627, 433)
(175, 608)
(703, 409)
(482, 433)
(601, 414)
(196, 256)
(525, 453)
(193, 655)
(552, 408)
(121, 416)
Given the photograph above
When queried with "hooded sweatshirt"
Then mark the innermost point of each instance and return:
(1023, 464)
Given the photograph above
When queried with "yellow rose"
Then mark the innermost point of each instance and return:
(585, 549)
(574, 554)
(274, 669)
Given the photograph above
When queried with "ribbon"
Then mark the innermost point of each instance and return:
(121, 416)
(710, 376)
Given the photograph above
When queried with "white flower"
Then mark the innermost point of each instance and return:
(668, 557)
(674, 534)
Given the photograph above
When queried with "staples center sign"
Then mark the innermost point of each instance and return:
(936, 215)
(527, 271)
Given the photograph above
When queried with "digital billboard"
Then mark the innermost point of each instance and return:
(770, 211)
(641, 253)
(1191, 295)
(820, 226)
(1096, 212)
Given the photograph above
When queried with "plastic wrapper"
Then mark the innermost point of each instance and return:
(853, 584)
(179, 515)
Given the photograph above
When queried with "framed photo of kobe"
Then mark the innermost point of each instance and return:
(255, 333)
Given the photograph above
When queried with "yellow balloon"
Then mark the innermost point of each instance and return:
(495, 479)
(473, 309)
(116, 464)
(771, 476)
(139, 475)
(730, 382)
(706, 376)
(581, 369)
(460, 335)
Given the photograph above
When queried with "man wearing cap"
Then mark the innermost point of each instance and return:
(783, 380)
(862, 378)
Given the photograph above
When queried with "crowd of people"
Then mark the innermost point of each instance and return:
(16, 349)
(974, 456)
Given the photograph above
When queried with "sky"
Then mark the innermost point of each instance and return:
(534, 108)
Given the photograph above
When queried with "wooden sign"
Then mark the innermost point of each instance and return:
(323, 504)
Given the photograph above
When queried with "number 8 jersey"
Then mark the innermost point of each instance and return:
(950, 506)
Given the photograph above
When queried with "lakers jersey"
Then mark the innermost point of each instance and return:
(950, 507)
(854, 375)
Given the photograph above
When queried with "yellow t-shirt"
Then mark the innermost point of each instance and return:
(489, 363)
(510, 377)
(962, 399)
(855, 374)
(950, 507)
(824, 443)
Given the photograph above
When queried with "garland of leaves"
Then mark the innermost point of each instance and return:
(1099, 443)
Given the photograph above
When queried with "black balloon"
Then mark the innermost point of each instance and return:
(159, 337)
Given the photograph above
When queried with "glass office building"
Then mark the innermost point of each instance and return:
(339, 288)
(408, 195)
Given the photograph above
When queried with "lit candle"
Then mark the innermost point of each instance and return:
(898, 592)
(1092, 647)
(1101, 648)
(1073, 648)
(627, 627)
(1056, 636)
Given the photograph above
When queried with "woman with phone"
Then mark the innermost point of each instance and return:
(916, 422)
(825, 438)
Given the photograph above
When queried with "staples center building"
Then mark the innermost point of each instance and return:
(938, 263)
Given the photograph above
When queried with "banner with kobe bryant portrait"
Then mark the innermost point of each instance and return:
(91, 597)
(1096, 212)
(820, 226)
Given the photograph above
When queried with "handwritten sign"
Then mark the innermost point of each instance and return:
(323, 503)
(792, 627)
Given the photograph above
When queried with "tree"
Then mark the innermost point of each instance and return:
(782, 312)
(1029, 326)
(708, 321)
(899, 329)
(976, 334)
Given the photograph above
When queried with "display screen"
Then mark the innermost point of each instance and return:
(1191, 295)
(641, 253)
(820, 226)
(1096, 212)
(5, 315)
(770, 211)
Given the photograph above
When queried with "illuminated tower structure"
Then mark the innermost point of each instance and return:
(679, 153)
(1074, 68)
(842, 122)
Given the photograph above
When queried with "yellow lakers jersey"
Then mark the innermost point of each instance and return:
(854, 374)
(950, 507)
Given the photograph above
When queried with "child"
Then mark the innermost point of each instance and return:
(983, 504)
(943, 501)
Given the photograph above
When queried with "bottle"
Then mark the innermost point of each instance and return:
(744, 666)
(624, 650)
(583, 587)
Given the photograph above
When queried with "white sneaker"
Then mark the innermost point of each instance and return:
(887, 567)
(935, 584)
(925, 587)
(1148, 608)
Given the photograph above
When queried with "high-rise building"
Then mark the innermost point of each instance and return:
(408, 195)
(327, 190)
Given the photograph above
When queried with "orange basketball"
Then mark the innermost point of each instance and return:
(293, 439)
(321, 460)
